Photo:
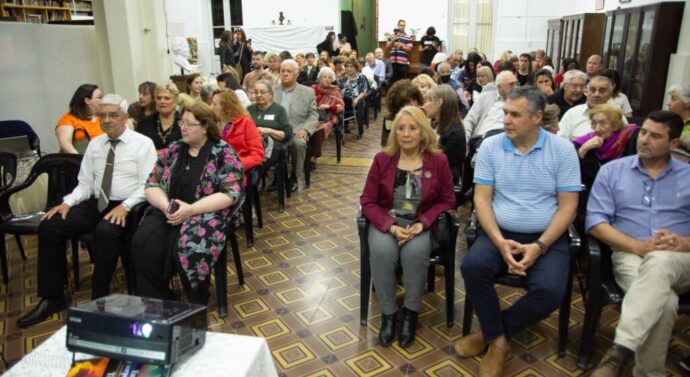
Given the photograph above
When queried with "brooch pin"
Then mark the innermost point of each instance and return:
(427, 174)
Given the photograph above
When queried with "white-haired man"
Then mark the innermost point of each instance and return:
(113, 171)
(572, 92)
(300, 103)
(378, 53)
(377, 66)
(487, 112)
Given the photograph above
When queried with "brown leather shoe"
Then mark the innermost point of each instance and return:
(492, 363)
(470, 345)
(611, 365)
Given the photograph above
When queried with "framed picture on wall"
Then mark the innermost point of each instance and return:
(599, 4)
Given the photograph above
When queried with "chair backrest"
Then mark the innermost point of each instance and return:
(62, 170)
(8, 170)
(10, 128)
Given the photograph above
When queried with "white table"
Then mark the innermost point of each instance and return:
(222, 355)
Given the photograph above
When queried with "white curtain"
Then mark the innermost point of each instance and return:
(286, 38)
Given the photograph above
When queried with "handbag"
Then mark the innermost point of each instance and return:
(323, 115)
(238, 65)
(440, 231)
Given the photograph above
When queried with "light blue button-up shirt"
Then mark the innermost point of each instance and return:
(627, 198)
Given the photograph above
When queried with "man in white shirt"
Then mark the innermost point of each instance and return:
(111, 182)
(376, 66)
(576, 122)
(487, 112)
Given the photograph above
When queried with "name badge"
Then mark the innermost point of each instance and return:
(270, 117)
(428, 43)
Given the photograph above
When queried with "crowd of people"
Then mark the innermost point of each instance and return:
(541, 149)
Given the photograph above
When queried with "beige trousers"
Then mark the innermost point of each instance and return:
(652, 285)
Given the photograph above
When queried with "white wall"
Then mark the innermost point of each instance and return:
(299, 12)
(192, 18)
(417, 15)
(521, 25)
(41, 66)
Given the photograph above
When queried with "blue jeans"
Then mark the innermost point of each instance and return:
(546, 283)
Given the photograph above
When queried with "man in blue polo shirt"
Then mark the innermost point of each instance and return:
(640, 206)
(526, 191)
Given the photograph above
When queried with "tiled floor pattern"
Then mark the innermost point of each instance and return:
(302, 295)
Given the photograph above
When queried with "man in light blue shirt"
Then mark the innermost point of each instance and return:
(526, 191)
(376, 66)
(640, 206)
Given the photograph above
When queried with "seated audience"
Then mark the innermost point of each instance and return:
(190, 189)
(206, 92)
(457, 64)
(544, 82)
(273, 61)
(576, 122)
(75, 129)
(111, 182)
(402, 93)
(566, 65)
(469, 72)
(679, 103)
(329, 102)
(343, 45)
(339, 67)
(408, 186)
(441, 105)
(377, 66)
(617, 98)
(163, 126)
(193, 95)
(424, 83)
(387, 82)
(309, 71)
(639, 207)
(484, 76)
(146, 104)
(300, 103)
(444, 74)
(271, 120)
(571, 93)
(354, 88)
(504, 57)
(526, 190)
(593, 67)
(525, 73)
(238, 129)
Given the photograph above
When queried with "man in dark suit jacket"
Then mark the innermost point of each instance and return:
(300, 103)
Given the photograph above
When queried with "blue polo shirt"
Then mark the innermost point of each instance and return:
(526, 186)
(627, 198)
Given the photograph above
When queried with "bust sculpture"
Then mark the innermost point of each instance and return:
(181, 50)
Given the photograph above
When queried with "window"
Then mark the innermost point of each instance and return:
(472, 25)
(224, 15)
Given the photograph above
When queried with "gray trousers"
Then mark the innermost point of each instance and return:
(298, 149)
(385, 256)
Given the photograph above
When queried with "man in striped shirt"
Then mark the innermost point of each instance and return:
(398, 46)
(526, 191)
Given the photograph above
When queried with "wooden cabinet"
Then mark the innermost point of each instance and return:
(638, 43)
(581, 37)
(35, 12)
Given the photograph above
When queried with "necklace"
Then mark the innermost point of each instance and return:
(163, 134)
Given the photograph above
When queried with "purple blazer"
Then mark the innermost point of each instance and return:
(437, 190)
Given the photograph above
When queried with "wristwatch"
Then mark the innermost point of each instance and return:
(542, 246)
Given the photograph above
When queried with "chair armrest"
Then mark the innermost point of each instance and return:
(574, 240)
(595, 263)
(5, 210)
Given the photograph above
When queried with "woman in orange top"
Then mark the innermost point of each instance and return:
(76, 128)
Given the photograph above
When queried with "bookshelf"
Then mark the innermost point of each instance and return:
(44, 11)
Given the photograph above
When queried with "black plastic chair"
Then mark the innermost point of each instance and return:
(444, 255)
(8, 170)
(374, 98)
(252, 198)
(62, 170)
(472, 232)
(221, 270)
(339, 131)
(280, 173)
(604, 291)
(132, 221)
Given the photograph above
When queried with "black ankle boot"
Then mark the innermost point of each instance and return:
(387, 332)
(408, 327)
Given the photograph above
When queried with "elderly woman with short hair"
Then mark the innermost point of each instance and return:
(330, 103)
(679, 103)
(163, 126)
(424, 82)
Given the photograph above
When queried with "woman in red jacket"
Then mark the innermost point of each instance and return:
(238, 129)
(408, 186)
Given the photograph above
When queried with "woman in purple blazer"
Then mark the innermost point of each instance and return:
(408, 186)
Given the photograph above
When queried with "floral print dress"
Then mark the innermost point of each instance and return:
(202, 237)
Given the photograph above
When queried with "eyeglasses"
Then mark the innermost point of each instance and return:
(647, 198)
(185, 124)
(109, 115)
(262, 92)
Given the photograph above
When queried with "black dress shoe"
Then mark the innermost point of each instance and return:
(387, 331)
(44, 309)
(407, 328)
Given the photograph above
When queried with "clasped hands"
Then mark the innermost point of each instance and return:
(183, 212)
(663, 240)
(509, 249)
(407, 233)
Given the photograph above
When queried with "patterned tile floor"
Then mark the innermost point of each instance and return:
(302, 294)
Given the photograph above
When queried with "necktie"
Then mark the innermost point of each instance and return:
(106, 183)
